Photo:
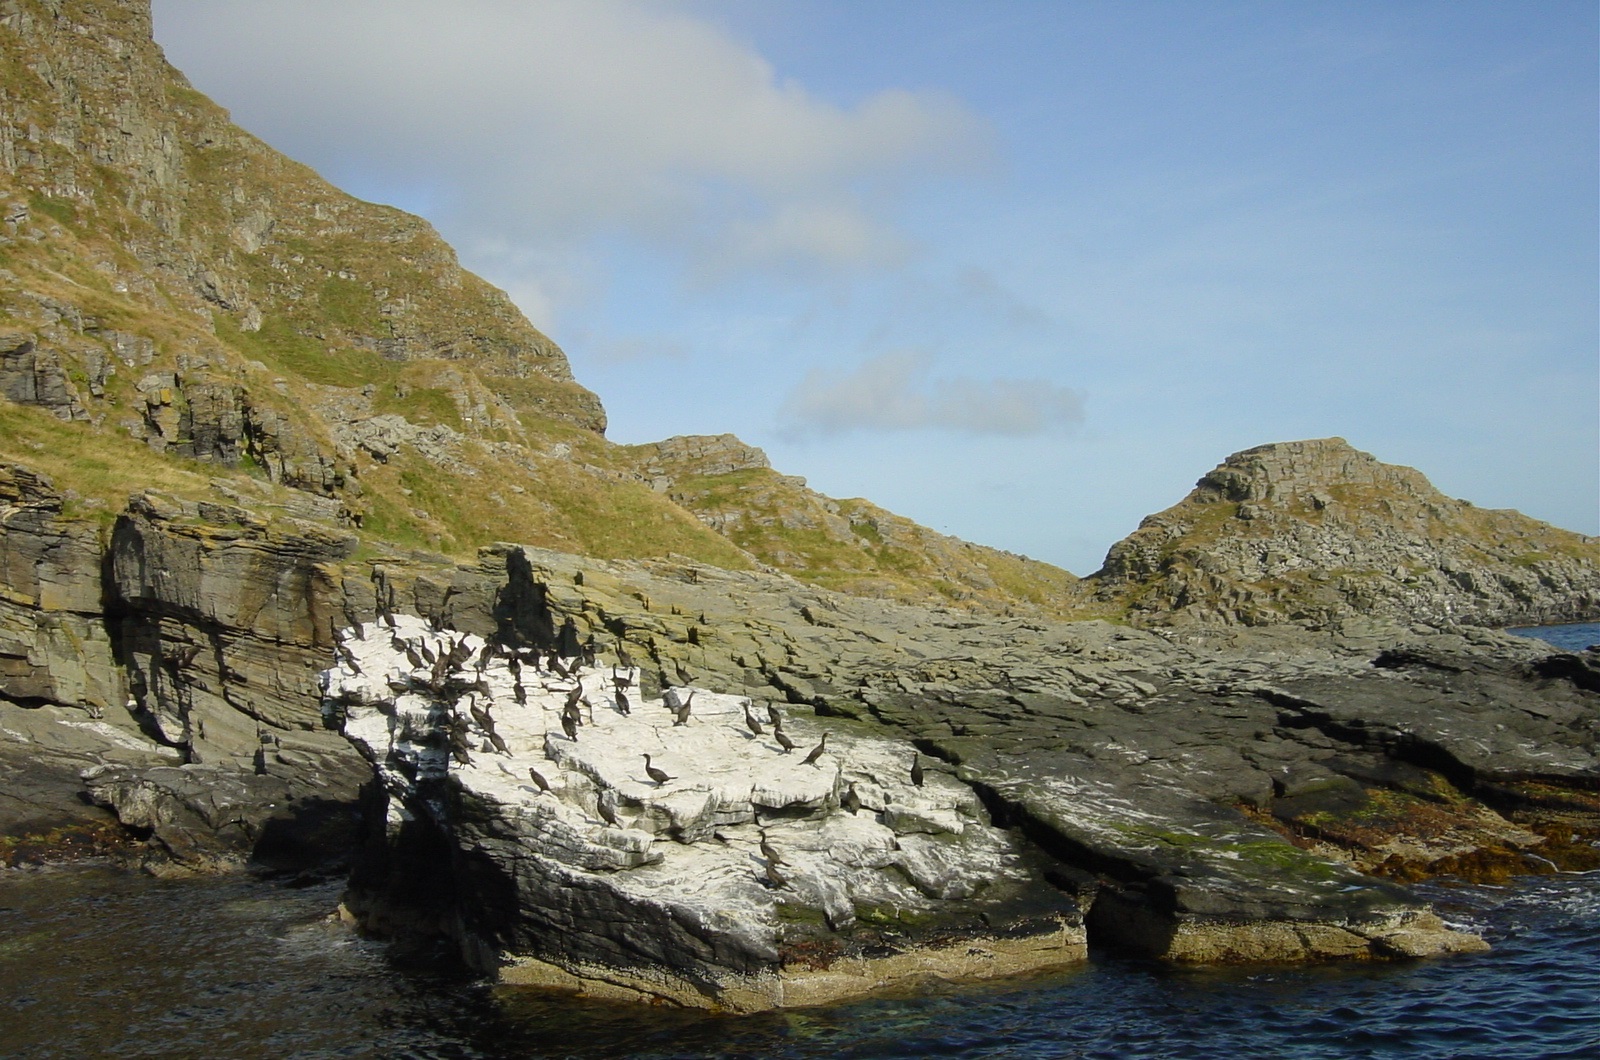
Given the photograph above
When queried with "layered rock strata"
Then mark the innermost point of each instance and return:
(1204, 795)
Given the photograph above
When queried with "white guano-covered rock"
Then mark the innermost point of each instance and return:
(541, 767)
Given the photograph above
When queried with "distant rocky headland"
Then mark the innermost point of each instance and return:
(315, 558)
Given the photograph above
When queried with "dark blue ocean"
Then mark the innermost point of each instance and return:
(95, 962)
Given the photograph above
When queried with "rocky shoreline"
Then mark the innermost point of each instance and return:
(1194, 795)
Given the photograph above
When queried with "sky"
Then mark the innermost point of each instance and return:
(1021, 271)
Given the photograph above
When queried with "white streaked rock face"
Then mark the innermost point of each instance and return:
(456, 732)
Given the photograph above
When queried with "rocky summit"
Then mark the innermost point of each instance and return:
(1312, 531)
(314, 557)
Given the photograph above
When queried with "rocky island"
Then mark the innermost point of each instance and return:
(314, 557)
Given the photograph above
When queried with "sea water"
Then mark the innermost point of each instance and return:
(100, 962)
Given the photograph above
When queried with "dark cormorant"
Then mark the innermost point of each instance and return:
(481, 716)
(816, 752)
(783, 740)
(770, 854)
(655, 773)
(538, 778)
(916, 770)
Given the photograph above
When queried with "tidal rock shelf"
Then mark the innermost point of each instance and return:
(725, 870)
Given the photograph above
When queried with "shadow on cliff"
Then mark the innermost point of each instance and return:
(315, 836)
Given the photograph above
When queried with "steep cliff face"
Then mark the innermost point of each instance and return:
(186, 212)
(1315, 531)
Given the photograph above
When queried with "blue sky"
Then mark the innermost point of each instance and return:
(1021, 271)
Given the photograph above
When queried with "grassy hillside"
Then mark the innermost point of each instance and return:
(182, 307)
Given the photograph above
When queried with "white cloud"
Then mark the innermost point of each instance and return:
(566, 120)
(896, 392)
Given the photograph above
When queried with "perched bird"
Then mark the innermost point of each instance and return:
(481, 716)
(538, 779)
(588, 651)
(684, 677)
(569, 725)
(514, 665)
(607, 811)
(916, 770)
(851, 800)
(413, 658)
(622, 702)
(520, 693)
(621, 678)
(774, 877)
(816, 752)
(774, 714)
(460, 755)
(753, 725)
(553, 663)
(656, 773)
(783, 740)
(573, 695)
(487, 653)
(769, 853)
(427, 653)
(571, 714)
(499, 743)
(360, 633)
(683, 711)
(623, 657)
(348, 656)
(386, 616)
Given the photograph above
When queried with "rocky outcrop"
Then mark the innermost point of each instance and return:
(665, 847)
(1310, 532)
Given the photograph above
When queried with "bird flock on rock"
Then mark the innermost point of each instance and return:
(455, 672)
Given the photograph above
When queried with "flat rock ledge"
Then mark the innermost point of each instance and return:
(515, 811)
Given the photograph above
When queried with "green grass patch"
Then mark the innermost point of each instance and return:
(59, 210)
(279, 344)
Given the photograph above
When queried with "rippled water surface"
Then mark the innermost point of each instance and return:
(101, 963)
(1575, 636)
